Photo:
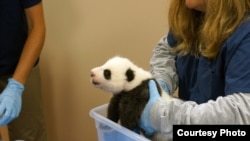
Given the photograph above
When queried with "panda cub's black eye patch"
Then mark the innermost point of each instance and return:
(107, 74)
(130, 75)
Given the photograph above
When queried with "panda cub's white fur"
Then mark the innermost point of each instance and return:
(119, 66)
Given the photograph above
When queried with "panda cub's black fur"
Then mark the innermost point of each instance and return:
(127, 106)
(129, 85)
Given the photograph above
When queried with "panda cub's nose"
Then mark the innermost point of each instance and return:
(92, 74)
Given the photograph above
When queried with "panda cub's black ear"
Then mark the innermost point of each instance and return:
(130, 75)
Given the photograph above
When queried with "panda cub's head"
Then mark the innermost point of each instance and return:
(118, 74)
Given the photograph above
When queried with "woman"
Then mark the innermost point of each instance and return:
(205, 55)
(22, 34)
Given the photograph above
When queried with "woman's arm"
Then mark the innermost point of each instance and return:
(163, 64)
(160, 115)
(231, 109)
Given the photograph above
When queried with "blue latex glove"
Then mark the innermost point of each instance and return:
(10, 101)
(145, 117)
(164, 86)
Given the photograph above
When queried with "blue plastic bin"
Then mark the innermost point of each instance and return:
(108, 130)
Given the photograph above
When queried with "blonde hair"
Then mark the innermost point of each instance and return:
(204, 32)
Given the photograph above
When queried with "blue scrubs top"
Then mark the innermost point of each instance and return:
(201, 80)
(13, 32)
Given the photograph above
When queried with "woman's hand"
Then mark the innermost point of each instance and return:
(154, 95)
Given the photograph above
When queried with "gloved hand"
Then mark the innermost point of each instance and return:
(145, 117)
(10, 101)
(164, 86)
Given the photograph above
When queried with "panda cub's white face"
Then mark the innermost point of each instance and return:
(118, 74)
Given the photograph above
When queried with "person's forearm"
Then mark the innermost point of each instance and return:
(232, 109)
(29, 55)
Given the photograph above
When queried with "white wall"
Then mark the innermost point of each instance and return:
(82, 34)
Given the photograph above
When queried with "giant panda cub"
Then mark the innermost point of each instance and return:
(129, 85)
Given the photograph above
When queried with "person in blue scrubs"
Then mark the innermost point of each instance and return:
(22, 34)
(205, 56)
